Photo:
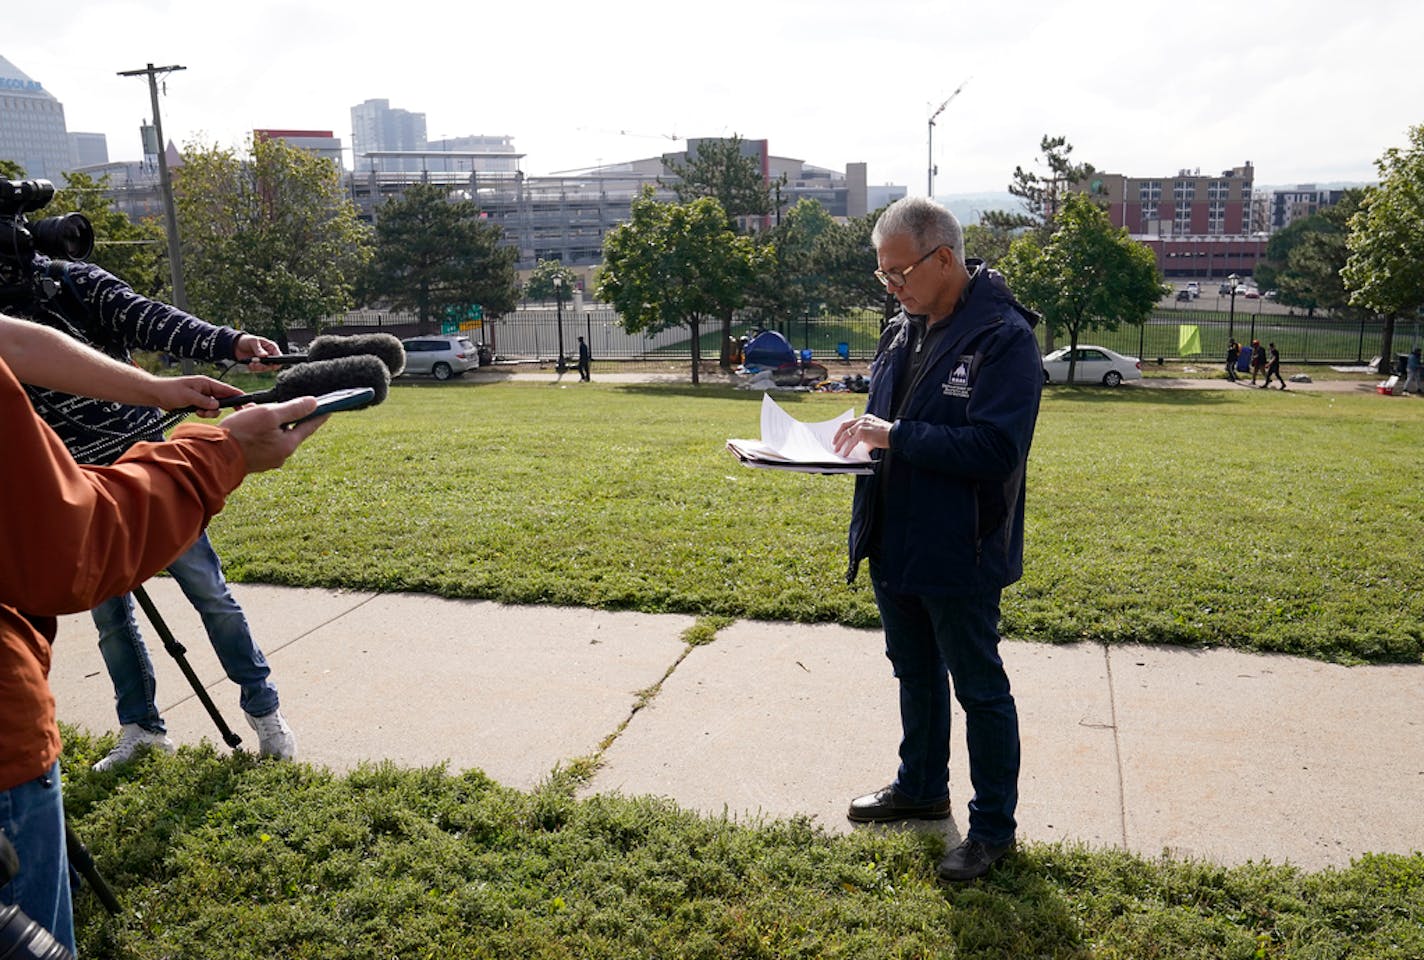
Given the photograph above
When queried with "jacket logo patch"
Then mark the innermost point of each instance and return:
(958, 383)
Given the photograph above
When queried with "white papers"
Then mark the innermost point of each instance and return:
(788, 444)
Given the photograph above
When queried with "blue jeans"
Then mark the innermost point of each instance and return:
(199, 574)
(931, 642)
(32, 816)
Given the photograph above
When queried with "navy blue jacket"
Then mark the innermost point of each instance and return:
(100, 310)
(951, 520)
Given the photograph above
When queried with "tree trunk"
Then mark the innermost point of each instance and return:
(1386, 364)
(696, 349)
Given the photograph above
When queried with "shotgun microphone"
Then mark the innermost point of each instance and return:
(383, 346)
(319, 377)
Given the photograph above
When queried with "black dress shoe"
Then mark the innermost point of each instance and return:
(971, 860)
(887, 804)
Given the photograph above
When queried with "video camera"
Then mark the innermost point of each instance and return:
(21, 937)
(66, 237)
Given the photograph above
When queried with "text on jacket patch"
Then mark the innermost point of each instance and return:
(958, 383)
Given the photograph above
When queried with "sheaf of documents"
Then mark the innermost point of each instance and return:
(788, 444)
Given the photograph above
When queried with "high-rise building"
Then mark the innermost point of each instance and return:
(32, 131)
(88, 150)
(377, 128)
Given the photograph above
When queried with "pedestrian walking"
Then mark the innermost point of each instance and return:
(1258, 361)
(1273, 369)
(583, 359)
(1233, 353)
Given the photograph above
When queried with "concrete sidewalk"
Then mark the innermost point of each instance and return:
(1212, 754)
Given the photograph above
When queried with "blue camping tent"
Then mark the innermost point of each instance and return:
(768, 349)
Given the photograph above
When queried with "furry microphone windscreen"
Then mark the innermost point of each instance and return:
(390, 350)
(323, 376)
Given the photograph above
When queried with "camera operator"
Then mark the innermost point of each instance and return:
(73, 535)
(100, 310)
(40, 355)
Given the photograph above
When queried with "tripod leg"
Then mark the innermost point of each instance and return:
(177, 651)
(84, 863)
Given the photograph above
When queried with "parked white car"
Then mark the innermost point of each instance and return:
(1094, 365)
(440, 356)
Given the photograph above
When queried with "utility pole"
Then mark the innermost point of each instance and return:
(930, 192)
(170, 215)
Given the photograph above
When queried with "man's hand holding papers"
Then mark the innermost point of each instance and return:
(788, 444)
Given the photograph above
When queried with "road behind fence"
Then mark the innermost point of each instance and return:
(532, 334)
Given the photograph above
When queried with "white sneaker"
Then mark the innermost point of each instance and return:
(133, 738)
(274, 737)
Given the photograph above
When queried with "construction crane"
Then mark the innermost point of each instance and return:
(933, 170)
(630, 133)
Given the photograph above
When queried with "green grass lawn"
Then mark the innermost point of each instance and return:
(1270, 521)
(1266, 521)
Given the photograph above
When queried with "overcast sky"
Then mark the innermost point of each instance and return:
(1308, 91)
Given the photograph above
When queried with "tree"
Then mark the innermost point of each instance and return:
(1042, 195)
(435, 254)
(136, 253)
(270, 241)
(791, 283)
(1385, 270)
(541, 286)
(11, 170)
(845, 258)
(988, 243)
(675, 264)
(1087, 274)
(720, 170)
(1304, 261)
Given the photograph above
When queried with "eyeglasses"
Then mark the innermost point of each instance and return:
(899, 278)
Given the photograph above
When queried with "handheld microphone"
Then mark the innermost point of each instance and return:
(383, 346)
(320, 377)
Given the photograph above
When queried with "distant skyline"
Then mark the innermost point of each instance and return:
(1308, 92)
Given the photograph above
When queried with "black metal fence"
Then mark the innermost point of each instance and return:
(1203, 335)
(534, 334)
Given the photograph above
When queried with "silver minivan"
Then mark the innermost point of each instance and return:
(442, 357)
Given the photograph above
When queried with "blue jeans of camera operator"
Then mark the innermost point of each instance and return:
(32, 815)
(198, 573)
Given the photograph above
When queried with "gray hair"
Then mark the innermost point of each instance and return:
(930, 224)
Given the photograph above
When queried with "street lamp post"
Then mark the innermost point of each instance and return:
(1231, 324)
(559, 315)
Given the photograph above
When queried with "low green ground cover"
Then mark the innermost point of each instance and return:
(231, 858)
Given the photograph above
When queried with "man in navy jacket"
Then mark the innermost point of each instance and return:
(954, 395)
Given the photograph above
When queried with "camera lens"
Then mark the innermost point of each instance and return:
(67, 237)
(23, 939)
